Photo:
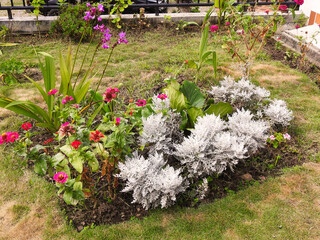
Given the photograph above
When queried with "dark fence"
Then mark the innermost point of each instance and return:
(156, 5)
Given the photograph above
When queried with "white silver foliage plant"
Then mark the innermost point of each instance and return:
(152, 182)
(209, 149)
(278, 113)
(160, 130)
(160, 104)
(252, 133)
(240, 94)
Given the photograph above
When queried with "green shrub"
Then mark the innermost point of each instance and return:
(9, 70)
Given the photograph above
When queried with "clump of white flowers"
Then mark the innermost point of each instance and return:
(278, 113)
(153, 184)
(240, 94)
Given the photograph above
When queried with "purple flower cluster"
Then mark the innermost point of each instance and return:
(93, 12)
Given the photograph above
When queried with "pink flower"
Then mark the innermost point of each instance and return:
(240, 32)
(12, 136)
(283, 8)
(75, 144)
(99, 19)
(214, 28)
(76, 105)
(100, 8)
(4, 137)
(60, 177)
(26, 126)
(110, 94)
(287, 136)
(141, 102)
(88, 4)
(118, 121)
(52, 91)
(228, 24)
(267, 12)
(297, 26)
(66, 129)
(162, 96)
(299, 2)
(67, 99)
(272, 138)
(122, 38)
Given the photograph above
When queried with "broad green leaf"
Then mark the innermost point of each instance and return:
(69, 198)
(56, 159)
(192, 64)
(194, 113)
(80, 92)
(177, 99)
(77, 162)
(67, 150)
(220, 108)
(204, 41)
(93, 164)
(40, 166)
(77, 186)
(193, 94)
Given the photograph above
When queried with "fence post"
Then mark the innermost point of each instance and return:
(9, 13)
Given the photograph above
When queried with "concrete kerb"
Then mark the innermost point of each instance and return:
(291, 42)
(28, 25)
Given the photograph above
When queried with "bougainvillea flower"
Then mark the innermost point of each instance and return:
(66, 130)
(272, 138)
(48, 141)
(299, 2)
(26, 126)
(162, 96)
(214, 28)
(52, 91)
(95, 136)
(60, 177)
(283, 7)
(75, 144)
(118, 121)
(67, 99)
(287, 136)
(141, 102)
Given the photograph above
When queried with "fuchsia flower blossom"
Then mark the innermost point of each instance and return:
(283, 7)
(267, 12)
(66, 129)
(214, 28)
(122, 38)
(297, 26)
(88, 4)
(60, 177)
(287, 136)
(75, 144)
(141, 102)
(100, 8)
(26, 126)
(13, 136)
(111, 93)
(162, 96)
(118, 121)
(228, 24)
(299, 2)
(8, 137)
(99, 19)
(67, 99)
(76, 105)
(52, 91)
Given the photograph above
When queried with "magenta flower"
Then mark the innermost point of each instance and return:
(267, 12)
(297, 26)
(4, 137)
(162, 96)
(60, 177)
(26, 126)
(88, 4)
(272, 138)
(287, 136)
(99, 19)
(141, 102)
(97, 27)
(110, 94)
(52, 91)
(240, 32)
(283, 7)
(214, 28)
(122, 38)
(100, 8)
(76, 105)
(228, 24)
(67, 99)
(299, 2)
(66, 129)
(118, 121)
(12, 136)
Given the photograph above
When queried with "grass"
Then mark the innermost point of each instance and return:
(285, 207)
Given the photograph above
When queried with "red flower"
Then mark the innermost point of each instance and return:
(214, 28)
(110, 94)
(75, 144)
(26, 126)
(299, 2)
(49, 140)
(267, 12)
(283, 8)
(186, 61)
(95, 136)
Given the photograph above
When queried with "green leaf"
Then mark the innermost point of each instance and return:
(56, 159)
(67, 150)
(204, 41)
(220, 108)
(177, 99)
(193, 94)
(194, 113)
(40, 166)
(77, 186)
(192, 64)
(77, 162)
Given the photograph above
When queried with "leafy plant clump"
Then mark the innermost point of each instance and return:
(9, 71)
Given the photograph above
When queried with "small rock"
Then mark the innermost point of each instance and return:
(80, 228)
(83, 223)
(138, 209)
(247, 177)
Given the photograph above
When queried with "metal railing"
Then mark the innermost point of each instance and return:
(159, 4)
